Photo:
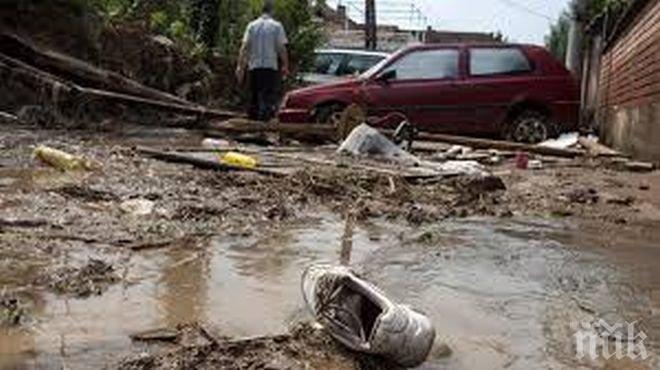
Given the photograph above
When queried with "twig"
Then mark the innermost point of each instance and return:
(156, 244)
(208, 335)
(23, 223)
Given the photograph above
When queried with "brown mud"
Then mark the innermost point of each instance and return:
(503, 271)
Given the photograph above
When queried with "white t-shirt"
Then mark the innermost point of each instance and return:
(263, 37)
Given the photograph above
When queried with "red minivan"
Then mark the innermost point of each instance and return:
(517, 92)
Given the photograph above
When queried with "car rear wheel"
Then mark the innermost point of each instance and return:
(529, 127)
(329, 114)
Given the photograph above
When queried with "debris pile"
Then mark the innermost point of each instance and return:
(91, 279)
(305, 347)
(12, 311)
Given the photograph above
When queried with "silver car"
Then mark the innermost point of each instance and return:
(334, 64)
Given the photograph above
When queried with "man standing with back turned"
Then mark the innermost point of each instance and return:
(264, 55)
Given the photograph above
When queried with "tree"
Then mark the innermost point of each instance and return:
(205, 21)
(295, 15)
(556, 41)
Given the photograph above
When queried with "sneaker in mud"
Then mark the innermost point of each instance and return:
(362, 318)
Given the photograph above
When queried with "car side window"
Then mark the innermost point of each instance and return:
(327, 64)
(361, 63)
(427, 65)
(496, 61)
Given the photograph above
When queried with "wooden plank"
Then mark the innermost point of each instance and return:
(78, 71)
(202, 163)
(500, 145)
(241, 126)
(39, 79)
(597, 149)
(202, 112)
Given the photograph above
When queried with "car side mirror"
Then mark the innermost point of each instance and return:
(386, 77)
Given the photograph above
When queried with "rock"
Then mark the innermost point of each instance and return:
(634, 166)
(621, 221)
(91, 279)
(480, 184)
(281, 362)
(583, 196)
(42, 116)
(137, 207)
(7, 118)
(160, 335)
(622, 201)
(562, 212)
(441, 351)
(11, 310)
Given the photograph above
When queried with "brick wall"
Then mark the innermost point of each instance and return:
(629, 93)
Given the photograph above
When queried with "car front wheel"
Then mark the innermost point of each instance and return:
(329, 114)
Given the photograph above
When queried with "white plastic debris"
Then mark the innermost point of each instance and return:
(535, 164)
(564, 141)
(361, 317)
(217, 144)
(8, 118)
(455, 168)
(367, 141)
(457, 150)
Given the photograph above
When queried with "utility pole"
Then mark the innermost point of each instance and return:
(576, 38)
(370, 26)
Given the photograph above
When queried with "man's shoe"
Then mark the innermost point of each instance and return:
(361, 317)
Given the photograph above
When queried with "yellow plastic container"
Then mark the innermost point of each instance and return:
(239, 160)
(63, 161)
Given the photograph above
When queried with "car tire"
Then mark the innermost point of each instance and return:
(529, 127)
(329, 114)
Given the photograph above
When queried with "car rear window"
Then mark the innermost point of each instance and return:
(327, 64)
(361, 63)
(496, 61)
(427, 65)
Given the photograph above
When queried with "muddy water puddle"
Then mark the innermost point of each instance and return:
(502, 293)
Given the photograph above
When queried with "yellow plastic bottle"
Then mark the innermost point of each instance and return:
(238, 160)
(63, 161)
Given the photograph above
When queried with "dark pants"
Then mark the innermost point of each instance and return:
(264, 93)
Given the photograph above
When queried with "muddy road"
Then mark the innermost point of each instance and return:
(89, 259)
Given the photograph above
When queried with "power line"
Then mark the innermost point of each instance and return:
(526, 9)
(400, 12)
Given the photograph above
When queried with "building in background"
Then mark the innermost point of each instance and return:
(342, 32)
(621, 79)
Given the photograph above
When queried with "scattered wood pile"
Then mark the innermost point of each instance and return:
(81, 92)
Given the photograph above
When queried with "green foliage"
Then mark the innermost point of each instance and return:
(173, 18)
(295, 15)
(304, 35)
(557, 40)
(112, 9)
(158, 21)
